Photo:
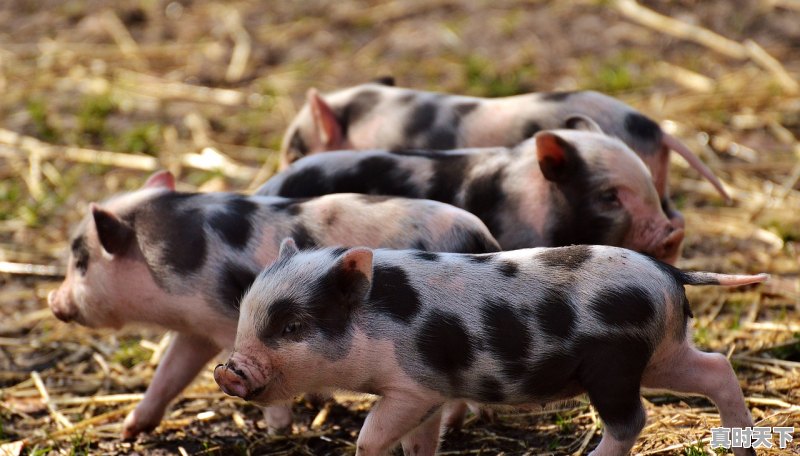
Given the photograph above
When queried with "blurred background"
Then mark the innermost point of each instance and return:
(97, 95)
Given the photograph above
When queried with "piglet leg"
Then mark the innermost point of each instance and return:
(391, 418)
(184, 358)
(278, 418)
(424, 440)
(688, 370)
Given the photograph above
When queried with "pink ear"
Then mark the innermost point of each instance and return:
(288, 248)
(160, 179)
(357, 260)
(554, 155)
(325, 121)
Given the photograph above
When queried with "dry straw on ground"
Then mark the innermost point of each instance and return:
(97, 95)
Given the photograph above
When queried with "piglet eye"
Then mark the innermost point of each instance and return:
(609, 197)
(291, 328)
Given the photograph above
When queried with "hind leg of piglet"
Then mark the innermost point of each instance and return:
(424, 439)
(278, 418)
(689, 370)
(393, 417)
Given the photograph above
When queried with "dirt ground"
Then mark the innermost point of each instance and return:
(97, 95)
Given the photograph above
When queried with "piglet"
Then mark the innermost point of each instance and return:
(561, 187)
(518, 328)
(182, 261)
(380, 116)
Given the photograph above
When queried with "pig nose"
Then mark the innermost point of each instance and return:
(61, 312)
(670, 247)
(231, 380)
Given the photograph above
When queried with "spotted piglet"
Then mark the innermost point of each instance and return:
(181, 261)
(518, 328)
(379, 116)
(559, 188)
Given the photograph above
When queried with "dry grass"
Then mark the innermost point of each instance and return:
(94, 98)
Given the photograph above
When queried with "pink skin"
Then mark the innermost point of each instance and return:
(410, 413)
(487, 127)
(119, 289)
(265, 375)
(651, 231)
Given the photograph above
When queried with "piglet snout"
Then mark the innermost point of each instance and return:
(670, 247)
(231, 380)
(61, 311)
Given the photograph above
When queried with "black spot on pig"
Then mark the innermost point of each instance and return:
(508, 269)
(465, 108)
(507, 335)
(440, 139)
(490, 390)
(297, 145)
(335, 252)
(376, 175)
(570, 258)
(80, 252)
(579, 219)
(280, 313)
(611, 372)
(448, 176)
(234, 223)
(359, 106)
(420, 120)
(427, 256)
(530, 128)
(445, 345)
(303, 238)
(337, 295)
(234, 280)
(552, 376)
(473, 241)
(556, 96)
(642, 128)
(483, 196)
(623, 306)
(393, 294)
(179, 244)
(554, 313)
(306, 182)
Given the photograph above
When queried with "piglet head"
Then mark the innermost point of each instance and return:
(604, 194)
(101, 269)
(299, 313)
(316, 128)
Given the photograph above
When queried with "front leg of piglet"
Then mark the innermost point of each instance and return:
(394, 416)
(184, 358)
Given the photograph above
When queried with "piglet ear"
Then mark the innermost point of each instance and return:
(581, 122)
(325, 122)
(386, 80)
(115, 235)
(288, 248)
(160, 179)
(353, 274)
(557, 157)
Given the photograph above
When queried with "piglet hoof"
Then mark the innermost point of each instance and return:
(134, 425)
(278, 419)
